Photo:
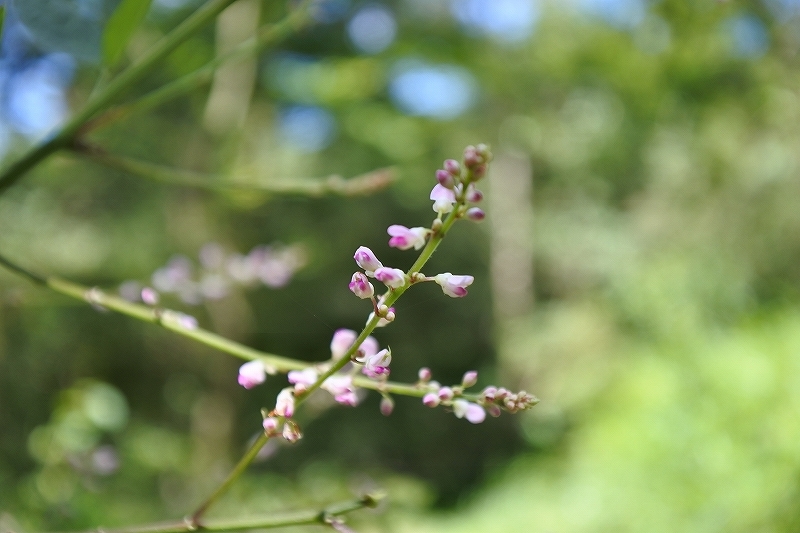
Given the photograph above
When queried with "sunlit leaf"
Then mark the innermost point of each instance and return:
(71, 26)
(120, 28)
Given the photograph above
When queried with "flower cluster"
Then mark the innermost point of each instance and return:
(474, 408)
(218, 273)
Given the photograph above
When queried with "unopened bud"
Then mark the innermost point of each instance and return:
(470, 378)
(424, 374)
(445, 179)
(430, 400)
(493, 410)
(149, 296)
(271, 426)
(291, 432)
(475, 214)
(387, 405)
(446, 394)
(474, 195)
(452, 166)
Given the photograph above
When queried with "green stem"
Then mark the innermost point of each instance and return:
(73, 128)
(363, 184)
(237, 471)
(266, 36)
(297, 518)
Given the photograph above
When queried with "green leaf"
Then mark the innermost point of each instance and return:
(127, 17)
(72, 26)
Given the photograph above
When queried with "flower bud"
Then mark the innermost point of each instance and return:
(473, 195)
(493, 410)
(489, 393)
(149, 296)
(473, 412)
(446, 394)
(445, 179)
(284, 405)
(424, 374)
(387, 405)
(342, 340)
(394, 278)
(271, 426)
(453, 167)
(361, 287)
(291, 432)
(470, 378)
(366, 259)
(430, 400)
(404, 238)
(476, 214)
(252, 373)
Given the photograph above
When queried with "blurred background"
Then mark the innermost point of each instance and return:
(639, 268)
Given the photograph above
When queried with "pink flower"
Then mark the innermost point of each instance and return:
(473, 412)
(377, 365)
(394, 278)
(302, 379)
(361, 287)
(366, 259)
(341, 387)
(342, 340)
(252, 373)
(284, 405)
(369, 347)
(443, 199)
(454, 286)
(271, 425)
(405, 238)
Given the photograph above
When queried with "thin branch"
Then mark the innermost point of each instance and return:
(363, 184)
(167, 319)
(74, 127)
(266, 36)
(297, 518)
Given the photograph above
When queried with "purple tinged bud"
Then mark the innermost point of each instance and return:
(149, 296)
(470, 378)
(446, 394)
(489, 393)
(452, 166)
(476, 214)
(445, 179)
(284, 405)
(493, 410)
(387, 405)
(252, 373)
(271, 426)
(473, 195)
(361, 287)
(431, 399)
(394, 278)
(424, 374)
(501, 393)
(366, 259)
(302, 379)
(291, 432)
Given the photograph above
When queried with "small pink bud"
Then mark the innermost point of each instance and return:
(493, 410)
(404, 238)
(443, 199)
(342, 340)
(431, 399)
(501, 393)
(452, 166)
(366, 259)
(454, 286)
(489, 393)
(252, 373)
(302, 379)
(361, 287)
(424, 374)
(476, 214)
(291, 432)
(474, 195)
(284, 405)
(271, 426)
(149, 296)
(445, 179)
(470, 378)
(446, 394)
(394, 278)
(387, 405)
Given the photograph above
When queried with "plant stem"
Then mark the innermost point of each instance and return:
(358, 185)
(297, 518)
(240, 467)
(73, 128)
(265, 37)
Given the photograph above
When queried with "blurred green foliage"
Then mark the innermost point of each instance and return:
(663, 342)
